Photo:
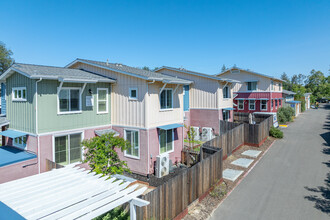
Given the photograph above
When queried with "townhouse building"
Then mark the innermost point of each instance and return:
(207, 100)
(257, 93)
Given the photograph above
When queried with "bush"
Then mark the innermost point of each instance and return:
(115, 214)
(275, 132)
(284, 114)
(303, 105)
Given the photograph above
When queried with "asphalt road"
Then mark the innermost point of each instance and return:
(292, 180)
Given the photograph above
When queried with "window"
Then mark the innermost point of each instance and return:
(225, 115)
(272, 104)
(20, 141)
(280, 86)
(252, 105)
(275, 103)
(69, 100)
(280, 102)
(67, 149)
(166, 98)
(166, 140)
(271, 85)
(102, 100)
(19, 94)
(252, 86)
(263, 104)
(133, 94)
(240, 104)
(226, 92)
(133, 138)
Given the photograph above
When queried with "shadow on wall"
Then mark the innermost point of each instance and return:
(322, 197)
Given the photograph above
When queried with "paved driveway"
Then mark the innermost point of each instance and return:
(292, 181)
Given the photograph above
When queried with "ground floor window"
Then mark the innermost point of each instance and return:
(240, 104)
(263, 104)
(133, 137)
(272, 104)
(68, 149)
(280, 102)
(225, 115)
(252, 105)
(20, 141)
(166, 140)
(275, 103)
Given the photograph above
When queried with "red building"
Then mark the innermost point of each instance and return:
(256, 92)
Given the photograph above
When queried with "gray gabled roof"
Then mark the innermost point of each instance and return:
(288, 92)
(133, 71)
(197, 74)
(247, 70)
(55, 73)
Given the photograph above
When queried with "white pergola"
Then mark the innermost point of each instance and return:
(69, 193)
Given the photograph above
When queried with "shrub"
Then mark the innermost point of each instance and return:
(275, 132)
(115, 214)
(284, 114)
(303, 105)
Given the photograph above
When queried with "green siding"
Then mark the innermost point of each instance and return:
(21, 114)
(50, 121)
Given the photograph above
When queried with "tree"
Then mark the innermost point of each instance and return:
(146, 68)
(318, 84)
(287, 83)
(5, 58)
(101, 154)
(223, 68)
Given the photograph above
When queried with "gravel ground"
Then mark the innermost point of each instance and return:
(204, 209)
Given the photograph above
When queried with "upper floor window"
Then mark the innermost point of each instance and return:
(280, 86)
(240, 104)
(19, 94)
(271, 85)
(69, 100)
(252, 105)
(252, 86)
(133, 93)
(102, 100)
(166, 99)
(226, 92)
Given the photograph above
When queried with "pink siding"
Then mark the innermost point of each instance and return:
(17, 170)
(206, 118)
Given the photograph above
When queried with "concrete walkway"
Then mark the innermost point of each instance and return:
(292, 181)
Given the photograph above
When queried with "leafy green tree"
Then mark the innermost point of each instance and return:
(5, 58)
(318, 84)
(287, 82)
(101, 154)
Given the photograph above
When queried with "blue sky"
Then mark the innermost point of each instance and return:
(269, 37)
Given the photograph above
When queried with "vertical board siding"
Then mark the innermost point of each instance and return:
(124, 112)
(3, 99)
(174, 196)
(22, 113)
(47, 108)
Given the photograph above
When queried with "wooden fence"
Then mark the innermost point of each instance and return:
(243, 117)
(255, 134)
(173, 197)
(230, 139)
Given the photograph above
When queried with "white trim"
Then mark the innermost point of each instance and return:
(68, 134)
(18, 99)
(107, 101)
(261, 104)
(58, 100)
(238, 104)
(22, 145)
(129, 95)
(160, 105)
(254, 104)
(139, 145)
(258, 91)
(73, 130)
(171, 151)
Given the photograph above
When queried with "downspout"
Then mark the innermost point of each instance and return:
(37, 123)
(146, 121)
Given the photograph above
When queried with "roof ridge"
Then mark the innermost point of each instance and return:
(29, 64)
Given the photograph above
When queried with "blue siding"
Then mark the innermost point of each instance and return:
(3, 98)
(186, 98)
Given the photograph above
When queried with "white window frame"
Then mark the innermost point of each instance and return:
(19, 89)
(58, 101)
(133, 98)
(160, 105)
(280, 86)
(67, 134)
(125, 153)
(171, 151)
(272, 85)
(227, 112)
(238, 104)
(107, 101)
(254, 101)
(247, 86)
(228, 92)
(261, 105)
(272, 104)
(17, 144)
(276, 104)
